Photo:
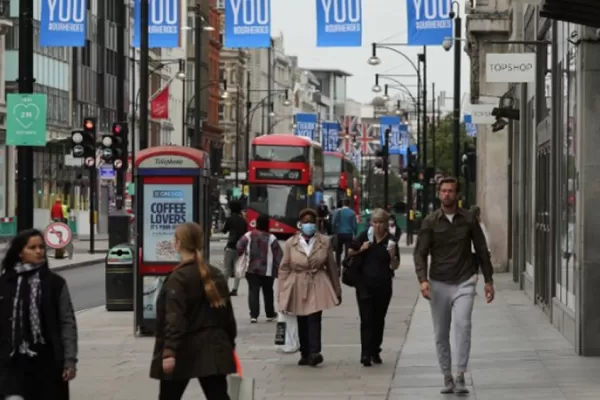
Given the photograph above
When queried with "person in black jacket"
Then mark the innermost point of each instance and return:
(236, 226)
(380, 257)
(394, 229)
(38, 331)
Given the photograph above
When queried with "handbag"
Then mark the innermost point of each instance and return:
(286, 334)
(243, 261)
(351, 269)
(238, 387)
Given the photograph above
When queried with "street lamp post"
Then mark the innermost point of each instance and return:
(198, 20)
(457, 84)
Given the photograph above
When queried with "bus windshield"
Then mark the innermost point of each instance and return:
(333, 165)
(281, 153)
(280, 202)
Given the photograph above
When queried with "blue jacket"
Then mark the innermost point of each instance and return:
(344, 221)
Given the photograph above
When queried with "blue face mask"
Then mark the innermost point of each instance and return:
(309, 229)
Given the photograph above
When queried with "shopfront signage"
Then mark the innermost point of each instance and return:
(482, 113)
(510, 67)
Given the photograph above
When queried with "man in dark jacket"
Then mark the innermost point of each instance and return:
(449, 283)
(236, 226)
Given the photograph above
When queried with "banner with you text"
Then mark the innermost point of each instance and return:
(339, 23)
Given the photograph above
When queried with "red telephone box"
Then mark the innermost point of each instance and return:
(173, 186)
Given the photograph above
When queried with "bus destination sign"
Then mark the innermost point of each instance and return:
(279, 174)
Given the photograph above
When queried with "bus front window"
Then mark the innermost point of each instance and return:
(282, 203)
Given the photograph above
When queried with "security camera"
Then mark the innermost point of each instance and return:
(447, 43)
(452, 14)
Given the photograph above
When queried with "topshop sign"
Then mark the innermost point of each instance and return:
(510, 67)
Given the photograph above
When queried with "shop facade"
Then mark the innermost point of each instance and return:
(554, 179)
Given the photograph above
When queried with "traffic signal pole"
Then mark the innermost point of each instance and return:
(25, 153)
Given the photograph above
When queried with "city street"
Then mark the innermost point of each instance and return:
(516, 354)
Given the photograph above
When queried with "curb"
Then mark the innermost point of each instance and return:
(75, 265)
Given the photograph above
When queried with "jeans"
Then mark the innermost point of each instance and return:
(372, 308)
(214, 388)
(255, 284)
(309, 333)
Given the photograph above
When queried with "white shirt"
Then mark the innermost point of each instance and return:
(307, 247)
(392, 231)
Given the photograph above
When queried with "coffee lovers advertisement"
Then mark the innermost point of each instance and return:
(164, 209)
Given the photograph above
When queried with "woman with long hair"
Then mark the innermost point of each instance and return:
(38, 331)
(309, 283)
(195, 324)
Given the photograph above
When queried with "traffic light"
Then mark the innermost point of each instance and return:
(469, 164)
(119, 144)
(83, 141)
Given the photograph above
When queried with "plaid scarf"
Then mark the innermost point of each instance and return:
(26, 321)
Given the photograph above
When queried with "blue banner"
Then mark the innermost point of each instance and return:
(63, 23)
(398, 139)
(247, 24)
(470, 127)
(429, 22)
(339, 23)
(306, 125)
(330, 136)
(164, 27)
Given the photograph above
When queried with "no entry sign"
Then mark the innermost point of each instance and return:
(57, 235)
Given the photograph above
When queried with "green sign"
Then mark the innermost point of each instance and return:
(417, 186)
(26, 119)
(131, 189)
(236, 192)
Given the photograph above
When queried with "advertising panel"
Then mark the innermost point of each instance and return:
(247, 24)
(429, 22)
(398, 139)
(63, 23)
(164, 26)
(339, 23)
(306, 125)
(331, 136)
(165, 207)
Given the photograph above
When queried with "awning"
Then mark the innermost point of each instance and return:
(583, 12)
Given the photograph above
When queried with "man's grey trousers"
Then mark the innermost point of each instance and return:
(452, 306)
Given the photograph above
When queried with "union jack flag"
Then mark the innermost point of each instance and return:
(353, 129)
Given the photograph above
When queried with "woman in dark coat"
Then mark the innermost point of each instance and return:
(38, 331)
(195, 324)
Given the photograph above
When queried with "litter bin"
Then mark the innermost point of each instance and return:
(119, 278)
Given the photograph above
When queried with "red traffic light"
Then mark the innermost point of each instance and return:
(88, 124)
(117, 128)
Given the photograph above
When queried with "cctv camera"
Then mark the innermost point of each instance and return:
(447, 43)
(452, 14)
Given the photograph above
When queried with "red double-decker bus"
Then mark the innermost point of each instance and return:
(285, 175)
(341, 179)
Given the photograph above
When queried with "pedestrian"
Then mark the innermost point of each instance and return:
(379, 257)
(38, 330)
(308, 284)
(264, 257)
(344, 227)
(195, 324)
(236, 227)
(57, 212)
(394, 229)
(446, 236)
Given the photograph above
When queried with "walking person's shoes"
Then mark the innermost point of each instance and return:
(315, 359)
(448, 385)
(253, 320)
(272, 318)
(304, 360)
(366, 361)
(460, 387)
(377, 359)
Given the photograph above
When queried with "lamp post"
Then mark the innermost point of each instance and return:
(457, 84)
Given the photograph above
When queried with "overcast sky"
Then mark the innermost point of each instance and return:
(383, 21)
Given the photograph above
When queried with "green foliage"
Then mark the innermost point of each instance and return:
(374, 195)
(443, 144)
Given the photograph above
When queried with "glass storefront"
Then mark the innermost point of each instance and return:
(566, 264)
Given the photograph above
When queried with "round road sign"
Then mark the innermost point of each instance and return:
(78, 150)
(57, 235)
(90, 161)
(118, 164)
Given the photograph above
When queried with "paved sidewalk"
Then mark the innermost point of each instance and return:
(114, 364)
(516, 354)
(78, 260)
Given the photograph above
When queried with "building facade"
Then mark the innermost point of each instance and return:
(277, 117)
(552, 180)
(333, 85)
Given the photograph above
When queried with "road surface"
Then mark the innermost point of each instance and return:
(86, 284)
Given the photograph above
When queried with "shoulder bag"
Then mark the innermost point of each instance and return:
(243, 261)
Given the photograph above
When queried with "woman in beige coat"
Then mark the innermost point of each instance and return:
(308, 284)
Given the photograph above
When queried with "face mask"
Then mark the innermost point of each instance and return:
(309, 229)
